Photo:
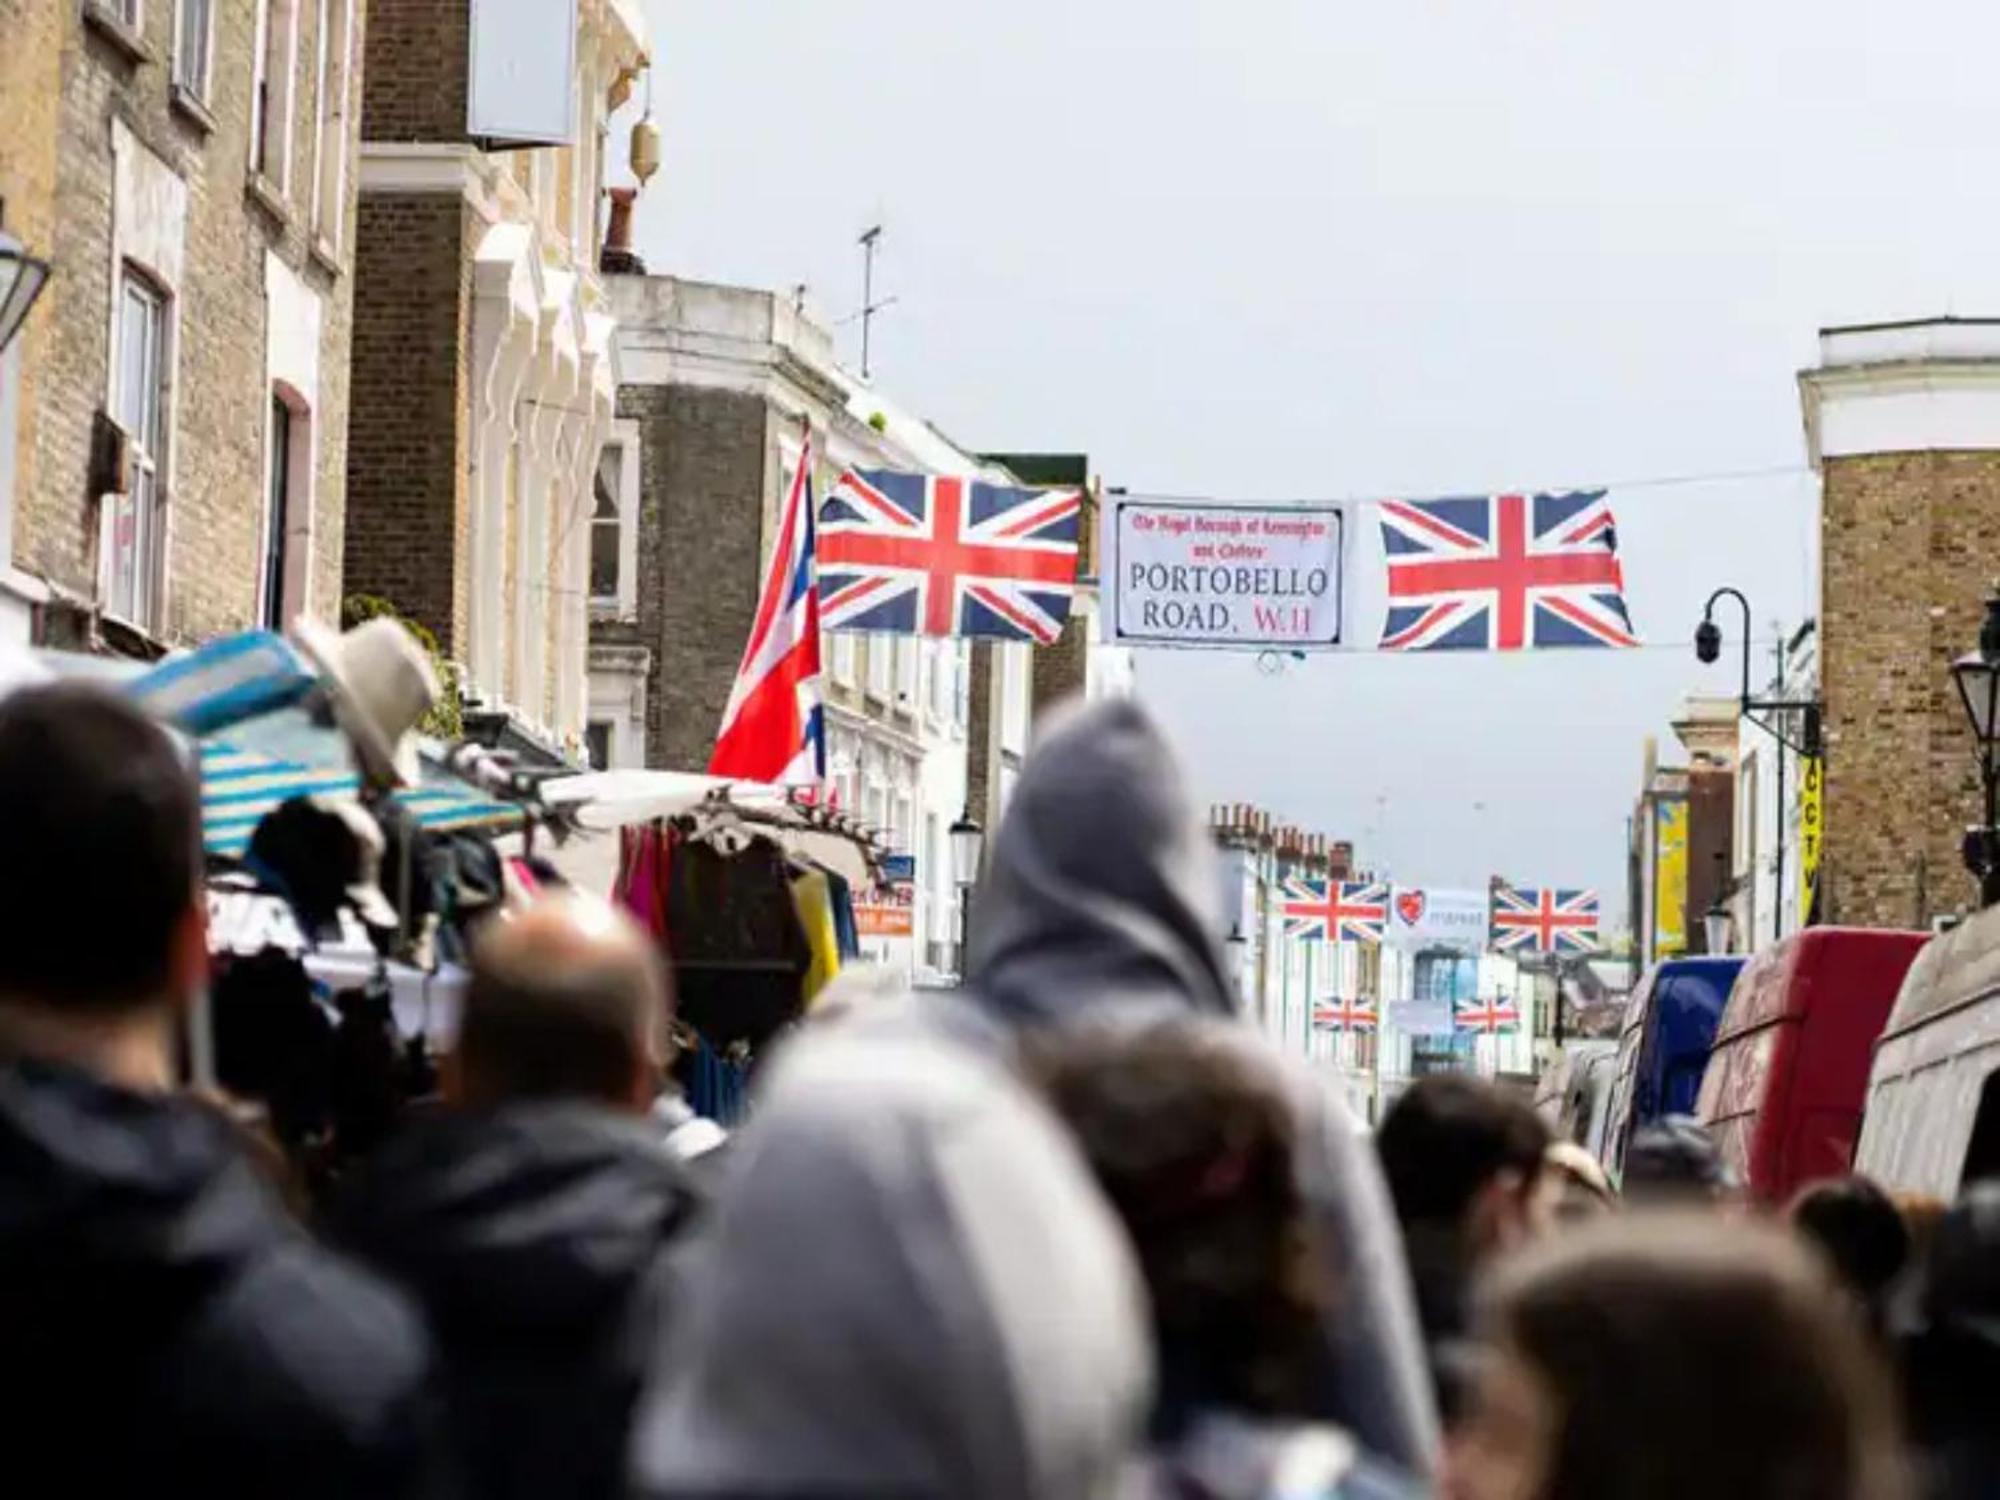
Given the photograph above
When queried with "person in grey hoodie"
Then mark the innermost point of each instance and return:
(911, 1289)
(1100, 905)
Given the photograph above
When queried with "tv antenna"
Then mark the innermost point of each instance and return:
(869, 306)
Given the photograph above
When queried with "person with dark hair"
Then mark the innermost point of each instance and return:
(1674, 1162)
(1465, 1164)
(1860, 1231)
(533, 1216)
(1191, 1139)
(1657, 1356)
(1951, 1353)
(168, 1327)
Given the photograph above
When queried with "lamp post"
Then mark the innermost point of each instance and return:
(968, 844)
(22, 278)
(1716, 923)
(1708, 648)
(1977, 674)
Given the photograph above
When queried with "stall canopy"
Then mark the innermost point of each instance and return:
(260, 763)
(256, 763)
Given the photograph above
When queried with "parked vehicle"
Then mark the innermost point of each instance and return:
(1932, 1120)
(1575, 1093)
(1663, 1047)
(1789, 1069)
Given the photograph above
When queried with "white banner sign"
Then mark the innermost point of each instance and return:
(1421, 1017)
(1261, 577)
(1425, 917)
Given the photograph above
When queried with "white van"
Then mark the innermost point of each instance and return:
(1931, 1122)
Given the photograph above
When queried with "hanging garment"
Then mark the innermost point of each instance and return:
(846, 935)
(644, 854)
(812, 896)
(739, 952)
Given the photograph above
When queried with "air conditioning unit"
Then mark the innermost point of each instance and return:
(110, 456)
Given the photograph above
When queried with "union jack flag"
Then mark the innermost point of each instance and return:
(1547, 920)
(1344, 1015)
(1335, 911)
(1489, 1017)
(917, 554)
(1503, 573)
(772, 727)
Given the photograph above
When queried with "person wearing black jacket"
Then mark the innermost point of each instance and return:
(532, 1218)
(166, 1328)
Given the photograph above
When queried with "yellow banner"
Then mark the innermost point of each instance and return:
(1670, 878)
(1812, 816)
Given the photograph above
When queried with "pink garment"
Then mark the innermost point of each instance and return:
(642, 876)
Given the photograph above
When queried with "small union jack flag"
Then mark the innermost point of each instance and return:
(1489, 1017)
(1503, 573)
(1331, 911)
(1344, 1015)
(916, 554)
(1547, 920)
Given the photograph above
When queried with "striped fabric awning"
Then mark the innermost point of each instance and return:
(253, 764)
(250, 770)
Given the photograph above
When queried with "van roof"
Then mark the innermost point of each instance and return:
(1777, 983)
(1954, 967)
(1715, 967)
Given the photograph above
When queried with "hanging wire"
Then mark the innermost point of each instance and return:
(1613, 486)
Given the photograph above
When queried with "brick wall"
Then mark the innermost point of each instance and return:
(31, 85)
(703, 482)
(1908, 545)
(409, 441)
(417, 57)
(220, 392)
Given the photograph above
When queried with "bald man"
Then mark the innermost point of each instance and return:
(569, 1000)
(531, 1219)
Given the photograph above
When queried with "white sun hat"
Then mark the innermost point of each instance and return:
(380, 683)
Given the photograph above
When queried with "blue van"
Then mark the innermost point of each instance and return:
(1663, 1047)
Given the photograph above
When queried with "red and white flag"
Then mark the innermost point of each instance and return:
(773, 729)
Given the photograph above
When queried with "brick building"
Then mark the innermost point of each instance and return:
(719, 383)
(181, 400)
(483, 348)
(31, 83)
(1903, 423)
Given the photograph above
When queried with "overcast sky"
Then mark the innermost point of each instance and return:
(1308, 248)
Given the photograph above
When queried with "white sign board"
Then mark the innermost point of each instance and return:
(1264, 577)
(1421, 1017)
(1425, 917)
(521, 75)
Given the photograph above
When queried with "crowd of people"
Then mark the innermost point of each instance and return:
(1072, 1232)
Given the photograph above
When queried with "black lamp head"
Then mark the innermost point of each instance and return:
(1989, 629)
(1708, 641)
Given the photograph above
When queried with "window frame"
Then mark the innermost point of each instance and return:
(148, 442)
(880, 676)
(333, 106)
(278, 500)
(274, 93)
(198, 82)
(623, 603)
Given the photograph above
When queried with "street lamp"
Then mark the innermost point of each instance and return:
(1716, 923)
(22, 278)
(968, 844)
(1977, 674)
(1708, 648)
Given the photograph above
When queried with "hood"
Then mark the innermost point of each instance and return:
(119, 1208)
(910, 1287)
(528, 1218)
(1102, 894)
